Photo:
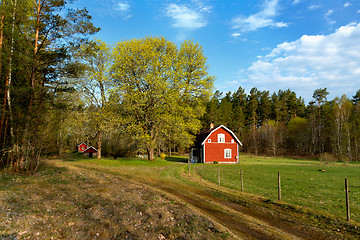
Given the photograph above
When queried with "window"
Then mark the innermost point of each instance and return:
(221, 138)
(227, 153)
(209, 140)
(232, 140)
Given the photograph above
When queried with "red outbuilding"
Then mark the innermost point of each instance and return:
(82, 147)
(90, 151)
(216, 144)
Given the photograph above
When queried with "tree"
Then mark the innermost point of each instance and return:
(160, 85)
(40, 43)
(252, 118)
(239, 106)
(298, 135)
(342, 109)
(94, 85)
(318, 117)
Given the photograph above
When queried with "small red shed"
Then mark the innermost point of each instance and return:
(90, 151)
(218, 144)
(82, 147)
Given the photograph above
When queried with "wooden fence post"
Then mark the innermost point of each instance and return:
(242, 180)
(347, 200)
(218, 175)
(189, 165)
(279, 187)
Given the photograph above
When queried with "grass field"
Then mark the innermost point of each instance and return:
(302, 182)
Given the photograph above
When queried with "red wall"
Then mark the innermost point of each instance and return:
(214, 151)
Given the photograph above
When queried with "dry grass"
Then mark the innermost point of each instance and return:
(69, 203)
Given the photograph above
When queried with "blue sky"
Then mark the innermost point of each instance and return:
(300, 45)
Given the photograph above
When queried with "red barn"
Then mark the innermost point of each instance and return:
(90, 151)
(216, 144)
(82, 147)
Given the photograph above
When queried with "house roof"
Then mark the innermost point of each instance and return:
(82, 143)
(202, 136)
(90, 149)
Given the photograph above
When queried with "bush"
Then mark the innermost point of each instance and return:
(162, 156)
(327, 157)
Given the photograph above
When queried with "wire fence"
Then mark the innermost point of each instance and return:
(310, 187)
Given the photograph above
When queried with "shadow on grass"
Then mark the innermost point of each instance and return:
(71, 157)
(177, 159)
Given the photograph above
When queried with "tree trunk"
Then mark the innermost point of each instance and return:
(10, 76)
(1, 44)
(150, 152)
(99, 144)
(348, 144)
(33, 72)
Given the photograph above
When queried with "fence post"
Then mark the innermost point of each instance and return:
(279, 187)
(189, 165)
(242, 180)
(203, 170)
(218, 175)
(347, 200)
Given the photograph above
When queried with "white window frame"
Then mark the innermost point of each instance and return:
(221, 138)
(209, 140)
(227, 153)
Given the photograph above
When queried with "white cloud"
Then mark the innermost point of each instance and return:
(347, 4)
(261, 19)
(312, 62)
(295, 2)
(186, 18)
(314, 7)
(122, 8)
(236, 35)
(327, 17)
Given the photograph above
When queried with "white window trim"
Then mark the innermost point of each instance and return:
(209, 140)
(221, 136)
(227, 150)
(232, 141)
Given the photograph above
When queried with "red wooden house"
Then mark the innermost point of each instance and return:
(216, 144)
(82, 147)
(90, 151)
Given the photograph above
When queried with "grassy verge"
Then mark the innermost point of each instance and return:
(304, 183)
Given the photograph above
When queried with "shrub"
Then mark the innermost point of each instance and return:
(327, 157)
(162, 156)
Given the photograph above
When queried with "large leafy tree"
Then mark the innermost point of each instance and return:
(162, 88)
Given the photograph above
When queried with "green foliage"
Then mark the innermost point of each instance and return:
(162, 156)
(37, 40)
(162, 89)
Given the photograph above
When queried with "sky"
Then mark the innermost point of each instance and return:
(301, 45)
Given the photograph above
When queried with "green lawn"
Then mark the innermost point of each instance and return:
(301, 181)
